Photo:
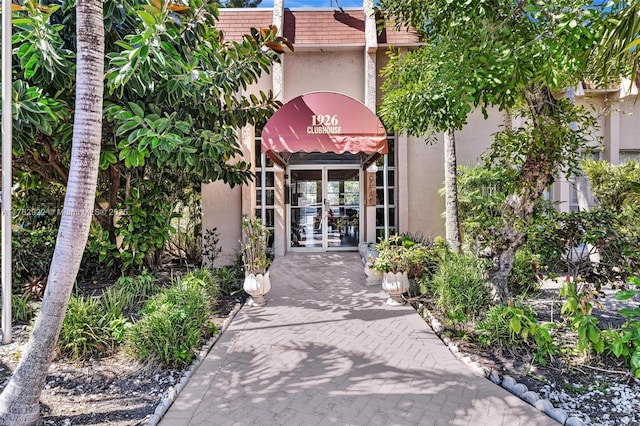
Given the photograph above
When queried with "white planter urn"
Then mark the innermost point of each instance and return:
(395, 284)
(257, 286)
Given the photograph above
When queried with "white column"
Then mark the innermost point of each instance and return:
(7, 135)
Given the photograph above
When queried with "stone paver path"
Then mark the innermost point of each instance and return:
(327, 350)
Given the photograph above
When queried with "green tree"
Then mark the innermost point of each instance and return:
(617, 54)
(176, 92)
(510, 54)
(19, 401)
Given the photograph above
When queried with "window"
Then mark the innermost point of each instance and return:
(629, 155)
(391, 190)
(269, 188)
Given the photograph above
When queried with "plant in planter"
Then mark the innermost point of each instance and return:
(256, 260)
(393, 261)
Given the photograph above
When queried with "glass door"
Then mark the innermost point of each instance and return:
(343, 199)
(325, 208)
(307, 208)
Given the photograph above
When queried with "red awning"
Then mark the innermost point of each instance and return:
(324, 122)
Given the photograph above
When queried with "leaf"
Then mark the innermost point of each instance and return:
(147, 18)
(125, 127)
(515, 324)
(179, 8)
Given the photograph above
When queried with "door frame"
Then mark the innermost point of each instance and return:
(324, 168)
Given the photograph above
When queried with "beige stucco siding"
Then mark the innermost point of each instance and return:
(222, 209)
(426, 169)
(629, 123)
(338, 71)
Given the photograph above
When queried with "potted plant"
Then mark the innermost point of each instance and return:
(256, 260)
(393, 261)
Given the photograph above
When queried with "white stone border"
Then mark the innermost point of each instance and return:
(174, 391)
(507, 382)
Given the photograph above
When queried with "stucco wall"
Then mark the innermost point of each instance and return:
(426, 170)
(630, 123)
(336, 71)
(222, 209)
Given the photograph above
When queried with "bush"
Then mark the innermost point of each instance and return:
(89, 329)
(523, 278)
(33, 250)
(517, 326)
(173, 324)
(22, 308)
(203, 280)
(229, 279)
(460, 286)
(135, 291)
(566, 241)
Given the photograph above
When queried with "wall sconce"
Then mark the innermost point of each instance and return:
(277, 168)
(372, 168)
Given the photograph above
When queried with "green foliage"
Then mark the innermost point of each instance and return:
(482, 192)
(173, 325)
(171, 106)
(202, 279)
(565, 242)
(523, 278)
(91, 327)
(516, 326)
(509, 55)
(255, 258)
(229, 279)
(577, 307)
(625, 342)
(32, 253)
(134, 291)
(460, 286)
(613, 185)
(404, 252)
(22, 308)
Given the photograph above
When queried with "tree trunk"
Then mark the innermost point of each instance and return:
(19, 400)
(536, 175)
(452, 223)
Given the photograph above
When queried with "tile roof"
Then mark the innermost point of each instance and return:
(311, 27)
(234, 23)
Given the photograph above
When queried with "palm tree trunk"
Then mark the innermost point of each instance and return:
(452, 223)
(19, 400)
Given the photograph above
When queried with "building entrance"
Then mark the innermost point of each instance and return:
(325, 206)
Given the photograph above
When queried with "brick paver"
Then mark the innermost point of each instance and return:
(327, 350)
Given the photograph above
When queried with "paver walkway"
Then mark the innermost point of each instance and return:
(327, 350)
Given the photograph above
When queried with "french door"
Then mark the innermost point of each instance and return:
(324, 212)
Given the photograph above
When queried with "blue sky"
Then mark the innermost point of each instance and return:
(314, 3)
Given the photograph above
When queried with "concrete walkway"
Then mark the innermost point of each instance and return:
(328, 350)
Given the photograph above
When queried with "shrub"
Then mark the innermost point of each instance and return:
(89, 330)
(566, 241)
(625, 342)
(134, 291)
(523, 278)
(460, 286)
(22, 308)
(203, 280)
(517, 326)
(33, 250)
(173, 324)
(229, 279)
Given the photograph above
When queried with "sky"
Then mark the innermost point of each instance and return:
(313, 3)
